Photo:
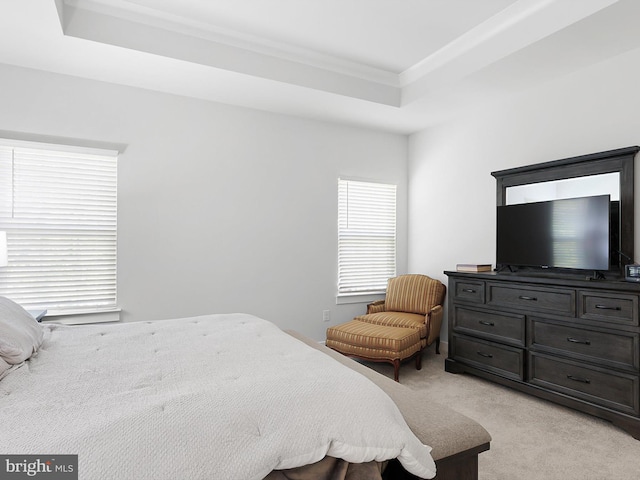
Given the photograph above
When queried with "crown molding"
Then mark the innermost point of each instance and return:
(522, 24)
(130, 25)
(135, 13)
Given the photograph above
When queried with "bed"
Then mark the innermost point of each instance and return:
(215, 396)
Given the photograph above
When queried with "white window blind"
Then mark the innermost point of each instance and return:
(58, 207)
(366, 236)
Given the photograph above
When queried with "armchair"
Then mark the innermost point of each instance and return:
(412, 301)
(397, 328)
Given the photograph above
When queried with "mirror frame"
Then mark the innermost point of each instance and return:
(620, 160)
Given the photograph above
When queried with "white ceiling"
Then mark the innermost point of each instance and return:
(397, 65)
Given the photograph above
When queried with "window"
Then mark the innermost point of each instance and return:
(366, 237)
(58, 207)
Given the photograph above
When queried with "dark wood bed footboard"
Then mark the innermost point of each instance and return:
(460, 466)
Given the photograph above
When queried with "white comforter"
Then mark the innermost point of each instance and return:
(218, 396)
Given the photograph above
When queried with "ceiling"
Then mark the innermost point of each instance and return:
(395, 65)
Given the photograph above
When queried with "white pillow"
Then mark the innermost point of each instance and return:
(20, 334)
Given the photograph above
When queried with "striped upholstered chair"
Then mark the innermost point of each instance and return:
(397, 328)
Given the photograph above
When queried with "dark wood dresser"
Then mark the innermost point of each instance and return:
(565, 339)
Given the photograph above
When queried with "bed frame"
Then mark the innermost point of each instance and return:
(459, 466)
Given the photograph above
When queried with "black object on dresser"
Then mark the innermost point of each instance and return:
(562, 338)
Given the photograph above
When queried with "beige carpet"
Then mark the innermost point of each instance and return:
(532, 438)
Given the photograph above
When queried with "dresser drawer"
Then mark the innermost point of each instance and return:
(611, 389)
(605, 307)
(613, 349)
(468, 291)
(500, 359)
(503, 327)
(538, 299)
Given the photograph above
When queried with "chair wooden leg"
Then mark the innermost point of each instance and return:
(438, 345)
(419, 360)
(396, 370)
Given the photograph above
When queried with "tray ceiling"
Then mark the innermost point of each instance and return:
(394, 65)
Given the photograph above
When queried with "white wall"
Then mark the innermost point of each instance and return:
(220, 209)
(451, 191)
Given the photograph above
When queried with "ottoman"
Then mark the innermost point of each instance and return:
(378, 343)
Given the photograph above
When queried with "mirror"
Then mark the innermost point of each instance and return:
(610, 172)
(603, 184)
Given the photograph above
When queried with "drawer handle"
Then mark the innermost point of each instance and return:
(606, 307)
(524, 297)
(575, 340)
(483, 322)
(486, 355)
(469, 290)
(578, 379)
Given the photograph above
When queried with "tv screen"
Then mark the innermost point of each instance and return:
(571, 233)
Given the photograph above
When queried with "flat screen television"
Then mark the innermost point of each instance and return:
(571, 233)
